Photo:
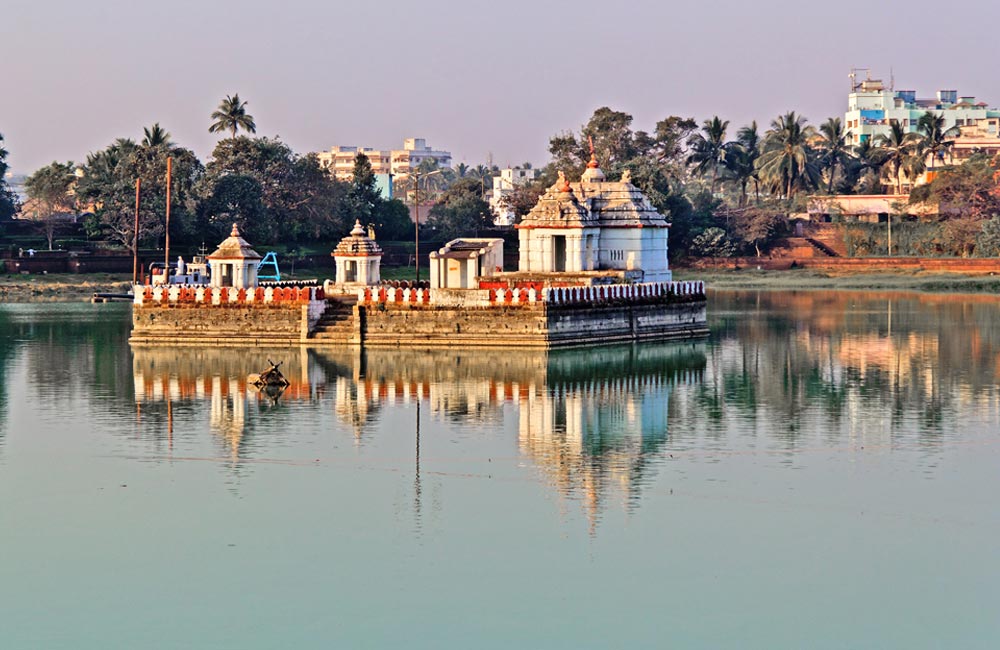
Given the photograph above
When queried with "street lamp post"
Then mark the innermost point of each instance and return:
(416, 214)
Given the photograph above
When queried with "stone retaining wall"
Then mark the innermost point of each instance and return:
(240, 325)
(545, 326)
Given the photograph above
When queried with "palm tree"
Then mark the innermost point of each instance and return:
(156, 136)
(872, 159)
(898, 147)
(787, 160)
(834, 148)
(483, 174)
(932, 126)
(232, 116)
(708, 148)
(741, 160)
(461, 169)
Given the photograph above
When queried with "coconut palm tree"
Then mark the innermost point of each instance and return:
(156, 136)
(461, 170)
(932, 126)
(232, 116)
(835, 152)
(708, 148)
(898, 147)
(786, 160)
(871, 159)
(741, 160)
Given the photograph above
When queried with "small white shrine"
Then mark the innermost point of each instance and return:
(234, 263)
(358, 259)
(595, 225)
(464, 261)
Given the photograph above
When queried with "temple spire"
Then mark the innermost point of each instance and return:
(593, 173)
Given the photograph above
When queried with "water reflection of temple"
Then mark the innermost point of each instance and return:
(587, 419)
(176, 376)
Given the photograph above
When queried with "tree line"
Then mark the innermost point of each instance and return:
(274, 194)
(732, 196)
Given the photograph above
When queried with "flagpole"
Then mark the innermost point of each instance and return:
(135, 235)
(166, 246)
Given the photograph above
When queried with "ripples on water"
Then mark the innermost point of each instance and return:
(803, 409)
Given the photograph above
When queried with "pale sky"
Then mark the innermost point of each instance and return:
(471, 77)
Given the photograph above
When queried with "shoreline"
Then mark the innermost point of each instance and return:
(80, 288)
(806, 279)
(60, 288)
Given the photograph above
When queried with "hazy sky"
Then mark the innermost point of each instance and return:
(472, 77)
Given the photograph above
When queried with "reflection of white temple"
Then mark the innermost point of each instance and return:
(592, 438)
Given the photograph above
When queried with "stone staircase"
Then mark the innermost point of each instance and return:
(336, 325)
(822, 247)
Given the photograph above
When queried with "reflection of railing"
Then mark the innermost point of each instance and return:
(202, 295)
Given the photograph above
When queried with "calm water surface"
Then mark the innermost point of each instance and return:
(821, 473)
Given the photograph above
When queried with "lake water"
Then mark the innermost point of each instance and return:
(821, 473)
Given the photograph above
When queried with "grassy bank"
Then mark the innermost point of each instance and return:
(810, 279)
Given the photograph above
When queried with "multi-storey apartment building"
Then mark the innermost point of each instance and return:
(340, 159)
(871, 108)
(503, 186)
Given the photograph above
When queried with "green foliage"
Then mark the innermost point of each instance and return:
(708, 149)
(989, 239)
(902, 152)
(108, 186)
(713, 242)
(759, 226)
(787, 161)
(834, 152)
(232, 116)
(390, 218)
(969, 190)
(274, 195)
(8, 200)
(461, 211)
(49, 189)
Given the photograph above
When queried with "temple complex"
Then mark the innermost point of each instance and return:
(592, 270)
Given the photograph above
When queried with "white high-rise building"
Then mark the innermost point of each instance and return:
(871, 109)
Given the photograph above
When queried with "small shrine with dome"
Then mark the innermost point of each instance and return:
(358, 258)
(234, 263)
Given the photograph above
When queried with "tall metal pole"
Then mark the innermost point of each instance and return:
(135, 235)
(416, 224)
(166, 243)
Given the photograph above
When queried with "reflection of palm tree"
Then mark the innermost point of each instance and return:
(232, 116)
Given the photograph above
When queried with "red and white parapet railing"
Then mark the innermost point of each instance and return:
(640, 292)
(500, 297)
(392, 295)
(218, 296)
